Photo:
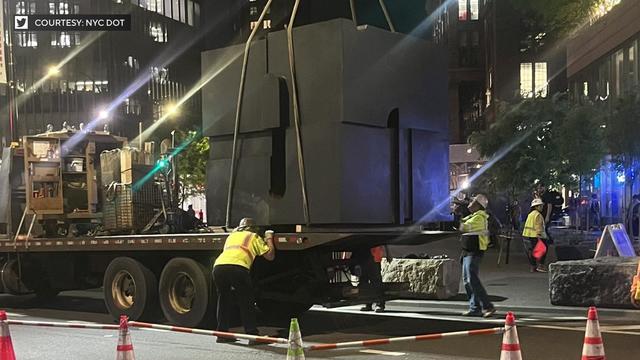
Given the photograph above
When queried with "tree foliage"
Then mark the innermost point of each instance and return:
(560, 17)
(540, 140)
(192, 164)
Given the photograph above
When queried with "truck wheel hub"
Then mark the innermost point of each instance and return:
(123, 289)
(182, 293)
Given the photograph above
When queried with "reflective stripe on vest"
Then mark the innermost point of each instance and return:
(477, 233)
(244, 247)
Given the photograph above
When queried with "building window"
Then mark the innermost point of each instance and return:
(266, 24)
(132, 63)
(25, 7)
(26, 39)
(158, 32)
(540, 80)
(183, 16)
(65, 39)
(60, 8)
(176, 10)
(533, 80)
(190, 12)
(468, 10)
(253, 10)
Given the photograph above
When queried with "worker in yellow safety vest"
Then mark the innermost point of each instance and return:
(475, 240)
(534, 232)
(232, 278)
(635, 289)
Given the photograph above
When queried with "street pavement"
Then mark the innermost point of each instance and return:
(546, 332)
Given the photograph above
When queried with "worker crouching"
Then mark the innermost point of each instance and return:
(232, 278)
(475, 240)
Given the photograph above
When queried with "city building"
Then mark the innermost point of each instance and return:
(142, 71)
(602, 67)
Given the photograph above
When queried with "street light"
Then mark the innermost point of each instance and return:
(103, 115)
(53, 71)
(172, 109)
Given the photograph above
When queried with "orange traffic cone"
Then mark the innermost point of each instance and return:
(510, 342)
(6, 346)
(593, 348)
(125, 347)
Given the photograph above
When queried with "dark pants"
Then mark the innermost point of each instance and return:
(371, 276)
(531, 242)
(233, 284)
(478, 298)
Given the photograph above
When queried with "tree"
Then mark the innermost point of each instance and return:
(561, 18)
(546, 140)
(622, 137)
(192, 164)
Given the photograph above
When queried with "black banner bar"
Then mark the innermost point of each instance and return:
(72, 22)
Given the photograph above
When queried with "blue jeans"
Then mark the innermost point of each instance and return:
(478, 298)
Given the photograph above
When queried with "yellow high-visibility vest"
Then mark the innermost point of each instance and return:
(534, 226)
(477, 224)
(241, 248)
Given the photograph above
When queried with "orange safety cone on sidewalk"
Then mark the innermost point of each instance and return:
(6, 346)
(125, 347)
(510, 342)
(295, 350)
(593, 348)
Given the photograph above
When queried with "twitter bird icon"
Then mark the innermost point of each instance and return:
(22, 22)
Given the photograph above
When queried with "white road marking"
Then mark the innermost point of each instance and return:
(380, 352)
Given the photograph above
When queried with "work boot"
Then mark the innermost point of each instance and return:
(380, 308)
(541, 269)
(472, 313)
(367, 307)
(487, 313)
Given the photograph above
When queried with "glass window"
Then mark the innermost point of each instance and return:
(27, 39)
(541, 80)
(151, 5)
(474, 9)
(52, 8)
(183, 15)
(632, 66)
(585, 89)
(526, 80)
(167, 8)
(266, 24)
(618, 68)
(157, 32)
(21, 8)
(63, 8)
(159, 6)
(143, 3)
(462, 10)
(190, 12)
(196, 14)
(176, 10)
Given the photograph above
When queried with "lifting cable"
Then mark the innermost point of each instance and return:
(386, 15)
(245, 61)
(354, 17)
(296, 113)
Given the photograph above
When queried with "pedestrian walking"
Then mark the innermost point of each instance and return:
(474, 240)
(535, 235)
(371, 276)
(232, 278)
(594, 211)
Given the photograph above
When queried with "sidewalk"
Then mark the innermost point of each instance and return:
(512, 287)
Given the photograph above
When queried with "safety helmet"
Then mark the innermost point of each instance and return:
(246, 224)
(536, 202)
(482, 200)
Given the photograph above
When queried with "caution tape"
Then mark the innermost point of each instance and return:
(63, 325)
(222, 334)
(376, 342)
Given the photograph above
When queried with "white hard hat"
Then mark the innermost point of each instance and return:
(536, 202)
(482, 200)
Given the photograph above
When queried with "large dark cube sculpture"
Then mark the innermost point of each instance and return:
(373, 110)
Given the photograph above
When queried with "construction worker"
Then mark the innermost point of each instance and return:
(232, 278)
(534, 231)
(475, 240)
(635, 289)
(371, 276)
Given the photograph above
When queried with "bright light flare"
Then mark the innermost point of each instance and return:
(54, 70)
(103, 115)
(211, 74)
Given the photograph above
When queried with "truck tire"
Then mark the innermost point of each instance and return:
(130, 289)
(186, 294)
